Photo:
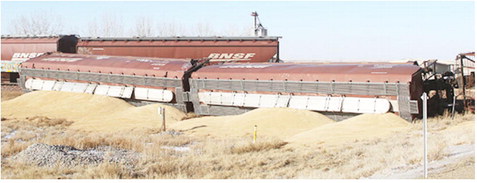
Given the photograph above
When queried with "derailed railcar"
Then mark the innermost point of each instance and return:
(131, 78)
(337, 90)
(17, 49)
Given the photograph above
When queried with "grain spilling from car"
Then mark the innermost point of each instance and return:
(271, 122)
(89, 112)
(364, 126)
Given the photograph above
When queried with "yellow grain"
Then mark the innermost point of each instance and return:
(364, 126)
(271, 122)
(88, 112)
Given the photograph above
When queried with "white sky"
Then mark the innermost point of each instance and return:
(333, 31)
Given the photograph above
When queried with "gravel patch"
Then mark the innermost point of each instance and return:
(67, 156)
(171, 133)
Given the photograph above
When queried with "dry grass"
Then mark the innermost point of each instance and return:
(12, 148)
(228, 158)
(257, 147)
(109, 171)
(41, 121)
(464, 169)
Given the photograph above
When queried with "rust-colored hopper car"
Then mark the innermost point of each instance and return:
(132, 78)
(218, 49)
(17, 49)
(338, 90)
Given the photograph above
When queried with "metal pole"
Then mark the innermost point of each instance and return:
(424, 128)
(434, 70)
(164, 119)
(463, 77)
(254, 134)
(453, 107)
(162, 111)
(255, 23)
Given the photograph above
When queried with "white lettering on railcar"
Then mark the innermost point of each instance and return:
(13, 64)
(21, 57)
(152, 61)
(227, 57)
(245, 66)
(26, 55)
(144, 60)
(58, 59)
(379, 72)
(382, 66)
(102, 57)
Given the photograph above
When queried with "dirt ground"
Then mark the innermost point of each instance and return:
(51, 147)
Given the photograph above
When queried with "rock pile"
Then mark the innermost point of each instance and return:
(67, 156)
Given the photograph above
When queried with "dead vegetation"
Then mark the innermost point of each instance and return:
(182, 154)
(257, 147)
(464, 169)
(172, 155)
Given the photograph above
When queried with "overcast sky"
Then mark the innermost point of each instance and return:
(333, 31)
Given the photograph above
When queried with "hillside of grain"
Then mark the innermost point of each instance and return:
(270, 122)
(88, 112)
(364, 126)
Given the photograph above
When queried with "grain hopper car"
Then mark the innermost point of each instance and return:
(17, 49)
(218, 49)
(337, 90)
(131, 78)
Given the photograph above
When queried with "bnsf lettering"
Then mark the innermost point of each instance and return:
(26, 55)
(226, 55)
(230, 56)
(239, 55)
(249, 55)
(214, 55)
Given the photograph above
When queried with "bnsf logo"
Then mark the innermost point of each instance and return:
(21, 57)
(26, 55)
(230, 56)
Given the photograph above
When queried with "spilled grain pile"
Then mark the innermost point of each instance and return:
(271, 122)
(88, 112)
(364, 126)
(8, 95)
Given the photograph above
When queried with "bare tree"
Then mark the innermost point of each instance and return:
(93, 29)
(143, 27)
(108, 26)
(37, 23)
(171, 29)
(204, 29)
(234, 30)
